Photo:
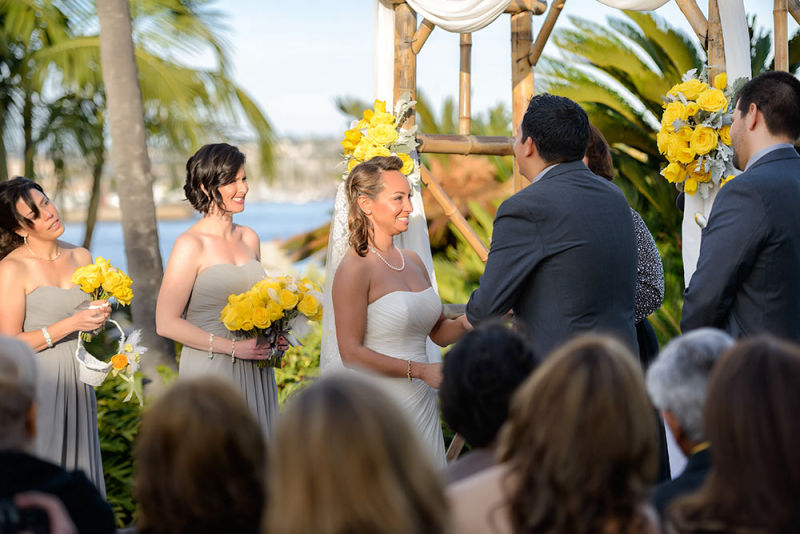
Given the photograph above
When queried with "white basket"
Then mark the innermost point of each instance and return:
(91, 370)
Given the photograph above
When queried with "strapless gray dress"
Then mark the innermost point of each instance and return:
(66, 416)
(209, 295)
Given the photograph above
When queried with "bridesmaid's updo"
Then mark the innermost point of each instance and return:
(366, 179)
(11, 192)
(212, 166)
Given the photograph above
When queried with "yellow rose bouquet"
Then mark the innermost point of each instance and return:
(380, 133)
(272, 308)
(102, 281)
(695, 133)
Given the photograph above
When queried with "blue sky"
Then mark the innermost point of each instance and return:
(295, 58)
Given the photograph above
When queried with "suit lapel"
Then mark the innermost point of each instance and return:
(776, 155)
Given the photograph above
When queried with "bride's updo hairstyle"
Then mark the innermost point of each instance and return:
(366, 179)
(212, 166)
(11, 192)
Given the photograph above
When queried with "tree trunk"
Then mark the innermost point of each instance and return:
(94, 199)
(27, 126)
(3, 153)
(132, 167)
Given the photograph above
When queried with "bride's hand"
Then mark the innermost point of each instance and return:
(431, 374)
(249, 349)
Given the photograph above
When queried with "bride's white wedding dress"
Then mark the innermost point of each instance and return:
(398, 325)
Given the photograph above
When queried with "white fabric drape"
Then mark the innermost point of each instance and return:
(459, 16)
(636, 5)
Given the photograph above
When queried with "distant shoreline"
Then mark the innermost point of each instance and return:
(164, 212)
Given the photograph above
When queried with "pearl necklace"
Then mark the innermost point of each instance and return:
(37, 257)
(389, 265)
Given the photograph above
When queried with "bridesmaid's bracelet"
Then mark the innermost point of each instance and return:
(47, 338)
(233, 351)
(211, 345)
(408, 374)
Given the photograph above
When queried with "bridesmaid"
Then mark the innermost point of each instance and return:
(42, 307)
(211, 260)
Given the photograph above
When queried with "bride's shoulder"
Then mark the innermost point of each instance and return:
(353, 265)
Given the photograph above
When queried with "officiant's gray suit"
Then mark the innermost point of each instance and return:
(563, 257)
(747, 280)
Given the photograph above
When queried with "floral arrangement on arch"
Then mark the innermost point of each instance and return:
(274, 307)
(695, 133)
(380, 133)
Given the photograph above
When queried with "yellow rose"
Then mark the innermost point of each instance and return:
(308, 306)
(351, 140)
(103, 264)
(674, 173)
(699, 176)
(674, 144)
(365, 118)
(725, 135)
(260, 317)
(112, 282)
(712, 100)
(384, 119)
(274, 311)
(662, 141)
(124, 296)
(377, 151)
(383, 134)
(690, 109)
(690, 186)
(704, 140)
(408, 163)
(288, 299)
(119, 362)
(685, 134)
(380, 106)
(351, 164)
(88, 277)
(721, 81)
(672, 112)
(725, 180)
(361, 150)
(691, 89)
(685, 153)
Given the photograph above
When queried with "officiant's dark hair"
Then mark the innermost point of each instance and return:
(777, 96)
(750, 418)
(209, 168)
(366, 179)
(558, 126)
(11, 191)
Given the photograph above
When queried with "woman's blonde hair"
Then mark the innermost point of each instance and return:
(366, 179)
(200, 462)
(580, 441)
(345, 461)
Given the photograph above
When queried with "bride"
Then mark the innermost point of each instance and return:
(384, 305)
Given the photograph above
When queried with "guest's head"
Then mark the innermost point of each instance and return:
(379, 198)
(480, 374)
(598, 155)
(554, 129)
(26, 213)
(767, 112)
(215, 179)
(580, 441)
(752, 423)
(200, 462)
(678, 381)
(17, 395)
(346, 460)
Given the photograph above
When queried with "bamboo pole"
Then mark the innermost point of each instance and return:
(405, 61)
(544, 33)
(455, 216)
(695, 17)
(716, 45)
(521, 74)
(781, 19)
(421, 35)
(465, 144)
(537, 7)
(464, 84)
(794, 9)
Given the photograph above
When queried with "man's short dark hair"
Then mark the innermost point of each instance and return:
(558, 126)
(776, 94)
(480, 375)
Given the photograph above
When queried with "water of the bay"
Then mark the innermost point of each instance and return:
(271, 220)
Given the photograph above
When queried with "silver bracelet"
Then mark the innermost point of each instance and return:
(233, 351)
(211, 345)
(47, 338)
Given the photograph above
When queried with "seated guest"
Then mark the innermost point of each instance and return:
(480, 374)
(346, 461)
(20, 471)
(752, 423)
(578, 452)
(200, 462)
(677, 382)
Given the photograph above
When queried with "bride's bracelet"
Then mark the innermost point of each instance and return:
(211, 345)
(408, 373)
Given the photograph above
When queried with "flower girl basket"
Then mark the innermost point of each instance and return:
(91, 370)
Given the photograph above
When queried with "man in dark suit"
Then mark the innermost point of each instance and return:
(748, 274)
(563, 252)
(677, 382)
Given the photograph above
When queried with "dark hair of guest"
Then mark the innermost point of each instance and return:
(558, 126)
(209, 168)
(776, 94)
(11, 192)
(752, 422)
(480, 374)
(599, 155)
